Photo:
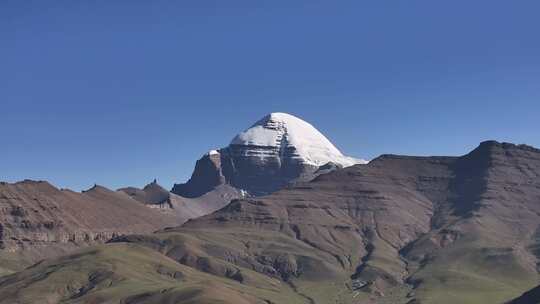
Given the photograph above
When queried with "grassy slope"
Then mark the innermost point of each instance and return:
(473, 271)
(132, 273)
(319, 280)
(468, 271)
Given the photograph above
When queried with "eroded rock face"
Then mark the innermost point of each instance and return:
(277, 150)
(207, 176)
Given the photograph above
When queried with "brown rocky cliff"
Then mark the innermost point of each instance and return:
(206, 177)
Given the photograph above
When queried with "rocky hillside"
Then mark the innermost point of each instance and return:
(401, 229)
(38, 220)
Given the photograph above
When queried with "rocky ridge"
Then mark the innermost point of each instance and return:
(39, 220)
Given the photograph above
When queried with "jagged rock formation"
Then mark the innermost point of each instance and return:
(208, 175)
(277, 150)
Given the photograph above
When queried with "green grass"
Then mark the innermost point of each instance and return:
(131, 270)
(468, 273)
(471, 270)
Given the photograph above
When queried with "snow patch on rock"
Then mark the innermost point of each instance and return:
(213, 152)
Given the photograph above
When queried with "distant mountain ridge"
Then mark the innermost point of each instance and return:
(39, 220)
(182, 208)
(152, 194)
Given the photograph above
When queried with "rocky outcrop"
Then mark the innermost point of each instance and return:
(206, 177)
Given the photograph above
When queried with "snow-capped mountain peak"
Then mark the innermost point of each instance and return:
(287, 133)
(278, 150)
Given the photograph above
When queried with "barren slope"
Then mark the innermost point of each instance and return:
(39, 220)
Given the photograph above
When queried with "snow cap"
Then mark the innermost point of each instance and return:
(283, 130)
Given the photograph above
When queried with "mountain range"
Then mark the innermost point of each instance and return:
(41, 221)
(282, 216)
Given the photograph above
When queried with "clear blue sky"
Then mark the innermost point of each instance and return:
(120, 92)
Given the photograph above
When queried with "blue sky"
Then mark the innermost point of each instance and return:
(121, 92)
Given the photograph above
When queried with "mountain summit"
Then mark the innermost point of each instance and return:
(275, 151)
(289, 138)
